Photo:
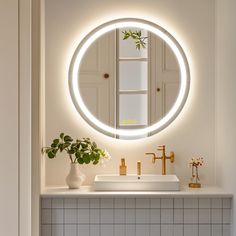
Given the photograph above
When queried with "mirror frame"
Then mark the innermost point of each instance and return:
(184, 78)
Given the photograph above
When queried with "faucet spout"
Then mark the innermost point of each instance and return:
(154, 157)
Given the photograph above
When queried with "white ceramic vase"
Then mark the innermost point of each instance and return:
(75, 178)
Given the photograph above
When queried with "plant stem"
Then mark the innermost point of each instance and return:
(67, 150)
(71, 158)
(197, 178)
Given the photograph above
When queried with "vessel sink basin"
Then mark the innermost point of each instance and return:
(136, 183)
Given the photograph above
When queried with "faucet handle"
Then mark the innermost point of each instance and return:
(172, 157)
(161, 148)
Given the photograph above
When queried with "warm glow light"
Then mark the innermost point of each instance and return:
(84, 45)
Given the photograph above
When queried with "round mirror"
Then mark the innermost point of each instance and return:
(129, 78)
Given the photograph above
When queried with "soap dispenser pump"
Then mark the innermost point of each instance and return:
(123, 167)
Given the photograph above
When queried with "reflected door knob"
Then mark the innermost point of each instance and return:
(106, 76)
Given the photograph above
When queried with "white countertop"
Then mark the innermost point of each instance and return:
(88, 191)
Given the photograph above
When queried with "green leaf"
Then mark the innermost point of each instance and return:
(86, 159)
(71, 151)
(56, 141)
(84, 144)
(67, 138)
(80, 161)
(62, 135)
(137, 37)
(94, 144)
(78, 155)
(138, 46)
(60, 146)
(86, 151)
(66, 145)
(126, 36)
(73, 145)
(54, 150)
(48, 150)
(51, 154)
(53, 145)
(95, 162)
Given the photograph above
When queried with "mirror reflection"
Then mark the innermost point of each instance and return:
(129, 78)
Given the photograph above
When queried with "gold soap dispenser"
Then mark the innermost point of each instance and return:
(123, 167)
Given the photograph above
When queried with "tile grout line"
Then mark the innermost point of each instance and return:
(113, 211)
(89, 200)
(183, 214)
(198, 216)
(125, 220)
(160, 215)
(173, 212)
(222, 230)
(211, 216)
(63, 202)
(135, 219)
(77, 217)
(149, 215)
(51, 215)
(100, 230)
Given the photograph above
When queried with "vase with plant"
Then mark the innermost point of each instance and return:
(80, 151)
(194, 164)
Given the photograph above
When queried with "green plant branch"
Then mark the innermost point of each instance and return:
(139, 40)
(81, 151)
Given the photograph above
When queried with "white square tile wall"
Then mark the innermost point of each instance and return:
(135, 216)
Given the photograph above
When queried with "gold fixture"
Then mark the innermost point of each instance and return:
(138, 167)
(123, 167)
(163, 157)
(194, 185)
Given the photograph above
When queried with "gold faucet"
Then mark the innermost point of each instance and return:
(163, 157)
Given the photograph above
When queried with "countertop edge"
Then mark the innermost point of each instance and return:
(87, 191)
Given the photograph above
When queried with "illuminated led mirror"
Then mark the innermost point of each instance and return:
(129, 78)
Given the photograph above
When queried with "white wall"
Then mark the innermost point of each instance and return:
(226, 97)
(9, 117)
(192, 133)
(15, 118)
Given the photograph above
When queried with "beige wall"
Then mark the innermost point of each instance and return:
(226, 97)
(191, 22)
(192, 133)
(9, 117)
(15, 118)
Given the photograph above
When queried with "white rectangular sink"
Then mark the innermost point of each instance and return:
(136, 183)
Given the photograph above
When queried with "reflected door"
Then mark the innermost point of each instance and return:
(165, 79)
(97, 79)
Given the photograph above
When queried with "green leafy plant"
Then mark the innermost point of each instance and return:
(82, 151)
(136, 35)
